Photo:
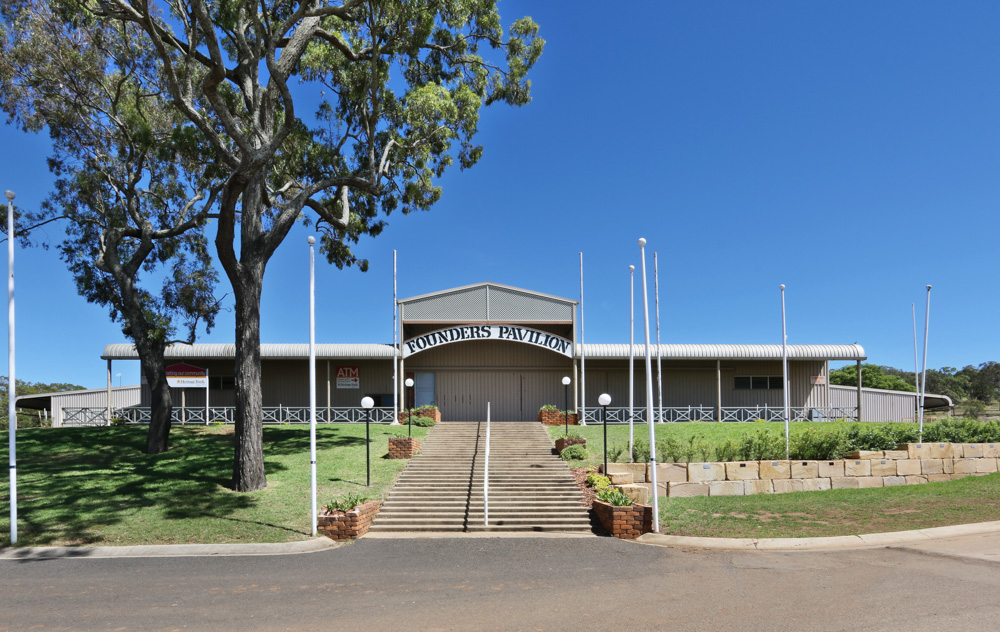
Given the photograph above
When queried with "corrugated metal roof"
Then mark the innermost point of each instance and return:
(368, 351)
(729, 352)
(271, 351)
(487, 302)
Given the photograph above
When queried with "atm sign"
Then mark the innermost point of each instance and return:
(348, 377)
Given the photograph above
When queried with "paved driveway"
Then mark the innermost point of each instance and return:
(510, 584)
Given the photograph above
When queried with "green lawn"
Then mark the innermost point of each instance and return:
(94, 485)
(835, 512)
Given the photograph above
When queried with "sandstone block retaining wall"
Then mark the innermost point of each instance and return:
(908, 464)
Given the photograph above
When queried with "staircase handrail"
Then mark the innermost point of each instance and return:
(486, 472)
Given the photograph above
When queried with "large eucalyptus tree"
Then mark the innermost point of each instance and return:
(335, 112)
(132, 183)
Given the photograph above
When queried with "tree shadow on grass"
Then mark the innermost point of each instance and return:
(76, 482)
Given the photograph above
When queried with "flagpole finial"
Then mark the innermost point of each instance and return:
(642, 241)
(928, 288)
(782, 286)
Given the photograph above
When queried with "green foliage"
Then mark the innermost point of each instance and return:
(865, 437)
(548, 407)
(640, 450)
(347, 502)
(962, 431)
(872, 376)
(728, 450)
(420, 422)
(616, 452)
(598, 481)
(669, 449)
(575, 452)
(762, 445)
(818, 445)
(614, 496)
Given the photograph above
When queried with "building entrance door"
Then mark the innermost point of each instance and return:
(513, 395)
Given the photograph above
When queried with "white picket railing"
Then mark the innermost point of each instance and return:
(225, 415)
(619, 415)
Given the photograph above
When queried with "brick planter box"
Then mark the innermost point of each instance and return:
(342, 525)
(403, 447)
(564, 442)
(627, 523)
(555, 418)
(432, 412)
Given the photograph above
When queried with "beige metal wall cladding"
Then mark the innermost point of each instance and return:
(512, 395)
(487, 302)
(880, 405)
(121, 397)
(696, 385)
(286, 383)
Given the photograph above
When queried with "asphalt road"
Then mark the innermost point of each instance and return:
(508, 584)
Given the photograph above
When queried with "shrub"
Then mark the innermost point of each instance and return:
(548, 407)
(669, 450)
(575, 452)
(598, 481)
(640, 450)
(818, 445)
(420, 422)
(616, 451)
(762, 445)
(864, 437)
(962, 431)
(348, 502)
(727, 451)
(614, 496)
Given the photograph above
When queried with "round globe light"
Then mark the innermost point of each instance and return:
(367, 402)
(566, 381)
(409, 382)
(604, 399)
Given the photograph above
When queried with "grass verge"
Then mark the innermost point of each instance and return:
(95, 486)
(835, 512)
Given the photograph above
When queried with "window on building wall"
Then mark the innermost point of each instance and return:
(756, 382)
(221, 382)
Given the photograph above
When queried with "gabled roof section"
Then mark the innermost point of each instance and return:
(487, 302)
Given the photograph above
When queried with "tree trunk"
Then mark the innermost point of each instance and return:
(161, 405)
(248, 464)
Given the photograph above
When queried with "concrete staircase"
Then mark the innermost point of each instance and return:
(441, 489)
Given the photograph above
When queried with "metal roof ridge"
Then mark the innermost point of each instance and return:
(489, 284)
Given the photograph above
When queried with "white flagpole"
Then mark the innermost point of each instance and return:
(916, 363)
(11, 380)
(583, 357)
(649, 394)
(312, 379)
(784, 367)
(395, 346)
(631, 356)
(923, 380)
(659, 352)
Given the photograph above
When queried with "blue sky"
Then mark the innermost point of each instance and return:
(847, 150)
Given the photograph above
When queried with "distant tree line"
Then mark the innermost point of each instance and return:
(971, 383)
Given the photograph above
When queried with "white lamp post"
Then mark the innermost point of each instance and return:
(312, 378)
(605, 400)
(367, 403)
(11, 381)
(649, 392)
(409, 417)
(566, 382)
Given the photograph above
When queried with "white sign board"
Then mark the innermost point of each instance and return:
(513, 333)
(187, 376)
(348, 377)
